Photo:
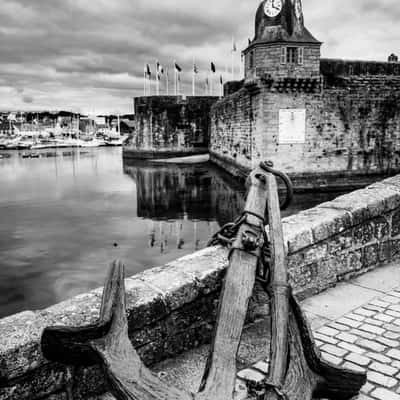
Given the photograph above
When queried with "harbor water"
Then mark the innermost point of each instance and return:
(65, 215)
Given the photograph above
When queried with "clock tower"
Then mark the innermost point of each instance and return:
(282, 47)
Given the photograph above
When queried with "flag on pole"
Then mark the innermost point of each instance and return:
(148, 71)
(178, 68)
(167, 80)
(213, 69)
(221, 79)
(144, 80)
(178, 71)
(195, 71)
(234, 48)
(160, 70)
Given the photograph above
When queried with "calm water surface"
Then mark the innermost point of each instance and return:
(61, 216)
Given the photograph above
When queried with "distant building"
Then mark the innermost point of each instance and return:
(5, 127)
(393, 58)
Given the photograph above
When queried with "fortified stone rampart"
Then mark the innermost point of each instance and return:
(338, 67)
(172, 309)
(328, 122)
(170, 125)
(351, 126)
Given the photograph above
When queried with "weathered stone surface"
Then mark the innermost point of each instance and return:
(88, 382)
(19, 344)
(143, 303)
(297, 233)
(170, 123)
(40, 383)
(206, 266)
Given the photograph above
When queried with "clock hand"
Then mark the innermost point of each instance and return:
(273, 5)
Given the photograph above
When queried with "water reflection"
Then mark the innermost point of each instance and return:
(65, 218)
(186, 192)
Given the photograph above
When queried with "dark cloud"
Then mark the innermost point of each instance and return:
(91, 54)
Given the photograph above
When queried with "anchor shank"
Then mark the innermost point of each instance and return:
(219, 379)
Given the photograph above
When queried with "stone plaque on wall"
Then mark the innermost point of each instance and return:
(292, 126)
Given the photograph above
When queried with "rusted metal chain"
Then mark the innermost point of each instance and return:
(227, 234)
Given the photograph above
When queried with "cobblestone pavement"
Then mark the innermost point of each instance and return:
(356, 325)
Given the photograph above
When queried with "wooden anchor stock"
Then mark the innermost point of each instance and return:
(297, 370)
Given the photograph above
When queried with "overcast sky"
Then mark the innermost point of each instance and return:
(88, 55)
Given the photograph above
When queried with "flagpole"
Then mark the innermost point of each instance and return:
(148, 80)
(144, 81)
(241, 66)
(157, 81)
(233, 58)
(211, 85)
(175, 79)
(193, 80)
(167, 77)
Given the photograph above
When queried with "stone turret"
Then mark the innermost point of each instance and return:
(282, 47)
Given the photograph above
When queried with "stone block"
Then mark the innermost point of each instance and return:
(395, 249)
(38, 384)
(396, 223)
(340, 242)
(363, 234)
(370, 255)
(176, 287)
(190, 338)
(20, 334)
(144, 303)
(362, 204)
(153, 333)
(315, 253)
(88, 382)
(19, 344)
(297, 233)
(207, 267)
(385, 251)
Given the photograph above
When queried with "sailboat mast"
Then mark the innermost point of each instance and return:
(119, 125)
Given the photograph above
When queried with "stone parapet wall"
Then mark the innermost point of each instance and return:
(173, 308)
(339, 67)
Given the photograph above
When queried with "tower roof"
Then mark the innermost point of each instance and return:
(287, 26)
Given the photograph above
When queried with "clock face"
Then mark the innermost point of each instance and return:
(272, 8)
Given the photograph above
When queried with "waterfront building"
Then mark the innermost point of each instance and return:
(326, 122)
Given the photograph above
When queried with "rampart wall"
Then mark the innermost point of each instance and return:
(352, 123)
(170, 125)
